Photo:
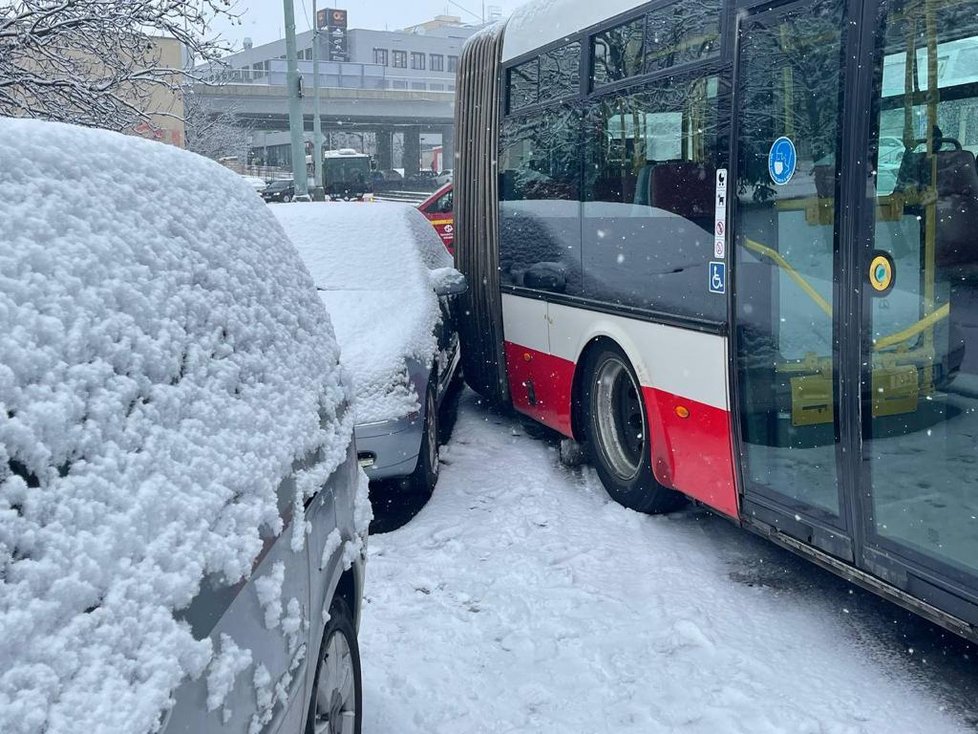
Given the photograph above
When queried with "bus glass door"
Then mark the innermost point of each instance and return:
(920, 342)
(788, 123)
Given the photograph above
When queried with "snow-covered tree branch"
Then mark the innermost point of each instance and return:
(214, 134)
(95, 62)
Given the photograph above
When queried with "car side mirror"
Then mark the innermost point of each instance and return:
(447, 282)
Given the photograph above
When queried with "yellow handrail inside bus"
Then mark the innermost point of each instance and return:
(799, 279)
(885, 342)
(910, 332)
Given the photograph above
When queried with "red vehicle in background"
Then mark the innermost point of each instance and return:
(438, 209)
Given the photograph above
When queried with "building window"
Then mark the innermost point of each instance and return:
(417, 60)
(399, 59)
(380, 56)
(453, 64)
(437, 62)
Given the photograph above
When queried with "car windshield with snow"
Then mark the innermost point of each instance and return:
(388, 283)
(182, 524)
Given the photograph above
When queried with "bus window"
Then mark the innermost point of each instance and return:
(650, 175)
(617, 52)
(523, 84)
(539, 211)
(922, 381)
(680, 33)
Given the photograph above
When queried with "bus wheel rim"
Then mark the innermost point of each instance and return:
(620, 419)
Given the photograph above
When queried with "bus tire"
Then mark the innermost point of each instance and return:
(617, 425)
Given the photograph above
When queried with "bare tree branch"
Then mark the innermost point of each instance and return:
(97, 62)
(214, 133)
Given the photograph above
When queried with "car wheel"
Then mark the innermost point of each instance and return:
(336, 705)
(286, 198)
(425, 475)
(618, 435)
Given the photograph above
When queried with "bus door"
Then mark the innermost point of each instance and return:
(787, 268)
(919, 353)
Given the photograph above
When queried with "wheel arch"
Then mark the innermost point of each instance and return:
(609, 334)
(603, 333)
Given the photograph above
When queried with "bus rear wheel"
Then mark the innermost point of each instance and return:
(618, 435)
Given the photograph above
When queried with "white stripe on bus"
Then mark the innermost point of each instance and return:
(679, 361)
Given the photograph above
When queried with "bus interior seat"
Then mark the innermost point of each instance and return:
(684, 188)
(957, 200)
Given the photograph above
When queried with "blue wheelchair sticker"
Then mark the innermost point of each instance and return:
(718, 277)
(782, 160)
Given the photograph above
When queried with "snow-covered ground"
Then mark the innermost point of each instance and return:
(521, 599)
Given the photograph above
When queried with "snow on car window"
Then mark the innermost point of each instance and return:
(370, 262)
(164, 360)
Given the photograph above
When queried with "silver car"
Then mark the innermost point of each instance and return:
(390, 286)
(183, 522)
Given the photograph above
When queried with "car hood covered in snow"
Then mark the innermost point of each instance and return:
(164, 361)
(371, 263)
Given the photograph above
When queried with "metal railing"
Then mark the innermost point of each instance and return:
(333, 75)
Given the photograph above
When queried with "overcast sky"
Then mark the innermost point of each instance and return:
(263, 20)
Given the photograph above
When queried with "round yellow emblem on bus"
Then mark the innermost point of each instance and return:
(881, 273)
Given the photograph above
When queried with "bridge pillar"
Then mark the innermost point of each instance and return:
(385, 149)
(412, 151)
(448, 147)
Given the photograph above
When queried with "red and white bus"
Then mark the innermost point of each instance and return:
(732, 247)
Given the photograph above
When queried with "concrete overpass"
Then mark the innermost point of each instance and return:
(381, 112)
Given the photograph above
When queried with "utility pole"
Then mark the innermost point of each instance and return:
(296, 124)
(317, 124)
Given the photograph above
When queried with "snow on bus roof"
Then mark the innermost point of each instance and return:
(164, 360)
(540, 22)
(344, 153)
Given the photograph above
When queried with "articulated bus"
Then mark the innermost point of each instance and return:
(731, 246)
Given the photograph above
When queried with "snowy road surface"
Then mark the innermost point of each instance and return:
(521, 599)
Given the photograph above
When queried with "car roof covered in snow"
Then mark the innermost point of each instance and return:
(164, 360)
(371, 263)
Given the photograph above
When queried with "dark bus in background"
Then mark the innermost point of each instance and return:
(346, 174)
(732, 247)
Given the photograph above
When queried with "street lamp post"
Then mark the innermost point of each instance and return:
(296, 125)
(317, 125)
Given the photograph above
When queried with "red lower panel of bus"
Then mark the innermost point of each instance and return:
(540, 386)
(691, 453)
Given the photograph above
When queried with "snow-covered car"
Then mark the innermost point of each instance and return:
(445, 177)
(182, 518)
(258, 184)
(389, 285)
